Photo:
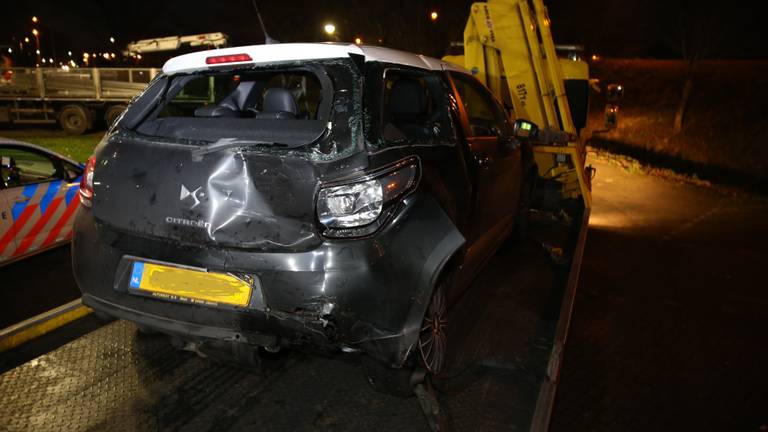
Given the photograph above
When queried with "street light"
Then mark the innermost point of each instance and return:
(34, 19)
(36, 34)
(358, 41)
(330, 29)
(112, 39)
(433, 16)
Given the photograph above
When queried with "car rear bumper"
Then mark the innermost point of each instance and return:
(365, 294)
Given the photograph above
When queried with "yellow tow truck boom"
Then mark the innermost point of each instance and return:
(508, 46)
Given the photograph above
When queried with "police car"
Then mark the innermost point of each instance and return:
(38, 199)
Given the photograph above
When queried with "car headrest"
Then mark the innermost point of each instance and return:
(232, 105)
(406, 98)
(278, 99)
(238, 98)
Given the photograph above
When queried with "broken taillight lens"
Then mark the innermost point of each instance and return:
(86, 183)
(231, 58)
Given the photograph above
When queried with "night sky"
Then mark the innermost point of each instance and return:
(612, 28)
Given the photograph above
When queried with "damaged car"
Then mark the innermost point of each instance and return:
(322, 196)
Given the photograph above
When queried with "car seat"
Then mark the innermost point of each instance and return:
(233, 105)
(278, 104)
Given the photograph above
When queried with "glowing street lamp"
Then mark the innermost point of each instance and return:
(112, 39)
(358, 41)
(34, 19)
(433, 16)
(36, 34)
(330, 29)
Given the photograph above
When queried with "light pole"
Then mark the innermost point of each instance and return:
(36, 34)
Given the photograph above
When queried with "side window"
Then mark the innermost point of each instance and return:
(414, 108)
(19, 167)
(486, 117)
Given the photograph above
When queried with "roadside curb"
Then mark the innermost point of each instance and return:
(17, 334)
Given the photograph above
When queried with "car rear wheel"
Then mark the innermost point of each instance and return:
(433, 340)
(429, 355)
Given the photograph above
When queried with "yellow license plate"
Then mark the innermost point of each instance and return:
(190, 286)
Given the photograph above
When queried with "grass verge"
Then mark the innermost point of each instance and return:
(77, 147)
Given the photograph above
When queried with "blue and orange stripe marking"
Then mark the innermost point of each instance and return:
(22, 212)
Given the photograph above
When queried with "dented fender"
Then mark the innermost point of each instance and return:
(425, 245)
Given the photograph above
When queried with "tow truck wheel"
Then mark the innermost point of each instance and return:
(73, 119)
(112, 113)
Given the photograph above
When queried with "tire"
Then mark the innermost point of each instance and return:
(429, 355)
(112, 113)
(433, 339)
(74, 119)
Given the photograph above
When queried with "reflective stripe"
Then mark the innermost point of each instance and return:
(72, 191)
(30, 237)
(18, 208)
(60, 224)
(17, 226)
(50, 194)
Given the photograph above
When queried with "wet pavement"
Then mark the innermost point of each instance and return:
(670, 332)
(670, 327)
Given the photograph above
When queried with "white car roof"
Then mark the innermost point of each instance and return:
(265, 54)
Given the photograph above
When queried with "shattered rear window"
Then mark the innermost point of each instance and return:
(309, 108)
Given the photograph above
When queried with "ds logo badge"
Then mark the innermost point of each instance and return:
(196, 195)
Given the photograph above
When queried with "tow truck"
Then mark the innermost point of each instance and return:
(503, 368)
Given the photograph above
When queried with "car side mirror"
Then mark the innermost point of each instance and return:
(525, 130)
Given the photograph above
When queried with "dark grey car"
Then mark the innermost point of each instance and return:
(324, 196)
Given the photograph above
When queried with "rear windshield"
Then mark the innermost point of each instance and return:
(310, 108)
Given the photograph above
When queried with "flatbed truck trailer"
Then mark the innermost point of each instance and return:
(78, 99)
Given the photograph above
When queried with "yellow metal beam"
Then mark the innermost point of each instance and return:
(17, 334)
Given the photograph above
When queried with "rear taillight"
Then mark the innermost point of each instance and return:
(86, 183)
(232, 58)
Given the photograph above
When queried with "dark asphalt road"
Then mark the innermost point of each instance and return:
(670, 328)
(671, 320)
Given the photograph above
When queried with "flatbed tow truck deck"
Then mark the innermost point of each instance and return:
(506, 338)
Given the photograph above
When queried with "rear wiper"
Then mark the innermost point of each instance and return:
(228, 143)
